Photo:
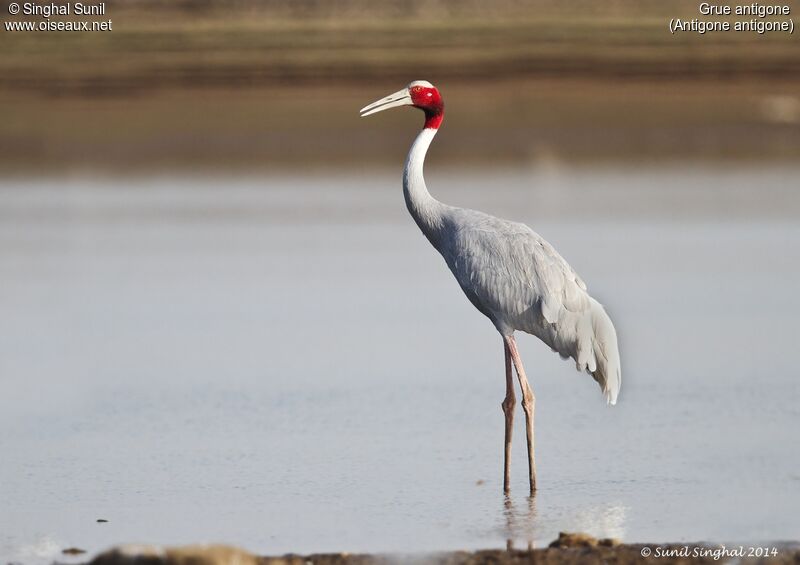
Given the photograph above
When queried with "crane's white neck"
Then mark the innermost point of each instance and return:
(424, 208)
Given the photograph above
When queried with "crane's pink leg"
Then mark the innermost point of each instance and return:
(508, 410)
(528, 402)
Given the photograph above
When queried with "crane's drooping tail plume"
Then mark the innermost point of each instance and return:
(607, 372)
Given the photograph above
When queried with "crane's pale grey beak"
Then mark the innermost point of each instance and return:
(399, 98)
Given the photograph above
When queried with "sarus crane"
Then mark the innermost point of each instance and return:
(510, 274)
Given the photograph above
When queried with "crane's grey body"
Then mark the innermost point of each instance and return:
(512, 275)
(515, 277)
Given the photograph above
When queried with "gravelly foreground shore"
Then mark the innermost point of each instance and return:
(568, 549)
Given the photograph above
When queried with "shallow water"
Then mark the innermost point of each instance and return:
(285, 364)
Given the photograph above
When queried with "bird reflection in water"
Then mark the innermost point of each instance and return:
(520, 522)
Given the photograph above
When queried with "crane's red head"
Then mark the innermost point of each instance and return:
(420, 94)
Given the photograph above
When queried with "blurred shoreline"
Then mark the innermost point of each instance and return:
(249, 86)
(527, 122)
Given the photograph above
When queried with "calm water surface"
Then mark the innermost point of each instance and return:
(285, 364)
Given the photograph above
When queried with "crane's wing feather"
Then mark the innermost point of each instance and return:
(510, 266)
(560, 285)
